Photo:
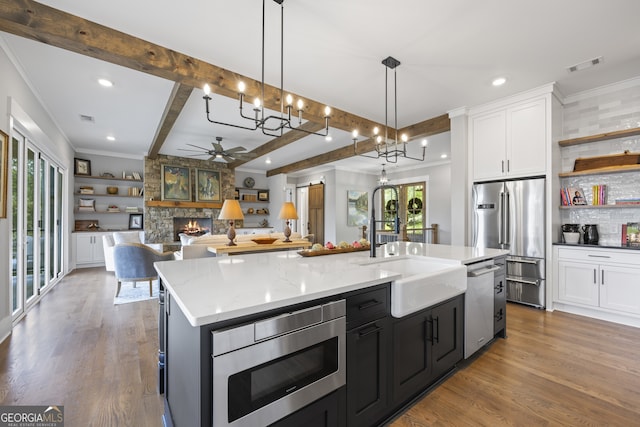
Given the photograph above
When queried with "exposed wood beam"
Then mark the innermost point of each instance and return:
(281, 141)
(54, 27)
(178, 98)
(419, 130)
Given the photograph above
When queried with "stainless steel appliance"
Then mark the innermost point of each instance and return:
(478, 306)
(268, 369)
(511, 215)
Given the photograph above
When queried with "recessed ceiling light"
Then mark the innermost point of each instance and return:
(105, 82)
(443, 156)
(111, 138)
(268, 160)
(499, 81)
(425, 142)
(328, 138)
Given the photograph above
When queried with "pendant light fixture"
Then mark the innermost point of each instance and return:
(271, 125)
(386, 148)
(383, 177)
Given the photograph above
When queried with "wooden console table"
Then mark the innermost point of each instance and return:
(252, 247)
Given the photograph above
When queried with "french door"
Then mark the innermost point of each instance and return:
(36, 187)
(412, 209)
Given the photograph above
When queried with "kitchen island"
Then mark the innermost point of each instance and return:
(206, 299)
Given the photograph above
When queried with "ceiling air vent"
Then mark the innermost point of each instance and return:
(584, 65)
(85, 118)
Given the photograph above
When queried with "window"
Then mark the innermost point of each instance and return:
(411, 208)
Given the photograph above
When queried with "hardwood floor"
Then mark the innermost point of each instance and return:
(554, 369)
(79, 350)
(99, 360)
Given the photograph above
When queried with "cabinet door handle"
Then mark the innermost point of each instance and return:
(429, 330)
(369, 304)
(436, 330)
(602, 277)
(508, 166)
(368, 330)
(599, 256)
(594, 276)
(503, 166)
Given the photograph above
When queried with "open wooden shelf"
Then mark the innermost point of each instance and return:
(108, 178)
(621, 206)
(600, 171)
(175, 204)
(599, 137)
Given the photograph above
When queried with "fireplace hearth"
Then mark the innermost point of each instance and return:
(191, 227)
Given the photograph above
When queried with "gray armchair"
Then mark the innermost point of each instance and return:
(133, 262)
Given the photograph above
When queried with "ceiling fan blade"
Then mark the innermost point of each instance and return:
(228, 159)
(235, 149)
(217, 147)
(212, 158)
(202, 148)
(195, 151)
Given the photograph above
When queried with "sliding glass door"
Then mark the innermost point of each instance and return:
(36, 222)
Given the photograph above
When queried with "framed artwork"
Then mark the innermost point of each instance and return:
(357, 208)
(263, 195)
(207, 186)
(135, 222)
(236, 194)
(82, 167)
(4, 166)
(176, 183)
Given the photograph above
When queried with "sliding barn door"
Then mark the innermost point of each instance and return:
(315, 225)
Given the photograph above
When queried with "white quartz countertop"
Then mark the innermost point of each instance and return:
(210, 290)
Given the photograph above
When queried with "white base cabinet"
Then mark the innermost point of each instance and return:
(599, 278)
(88, 249)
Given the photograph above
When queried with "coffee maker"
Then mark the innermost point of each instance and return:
(590, 236)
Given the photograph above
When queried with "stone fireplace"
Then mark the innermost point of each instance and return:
(159, 223)
(191, 226)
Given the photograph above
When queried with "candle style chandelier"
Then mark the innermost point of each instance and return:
(389, 149)
(271, 125)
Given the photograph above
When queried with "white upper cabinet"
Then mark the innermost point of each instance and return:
(510, 142)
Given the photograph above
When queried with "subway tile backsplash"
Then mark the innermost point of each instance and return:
(615, 109)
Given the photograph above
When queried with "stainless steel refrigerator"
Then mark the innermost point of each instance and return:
(511, 215)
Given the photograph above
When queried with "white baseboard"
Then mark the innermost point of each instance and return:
(5, 328)
(624, 319)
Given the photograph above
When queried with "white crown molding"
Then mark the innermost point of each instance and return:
(603, 90)
(112, 154)
(456, 112)
(545, 89)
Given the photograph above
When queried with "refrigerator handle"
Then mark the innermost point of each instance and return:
(507, 219)
(501, 227)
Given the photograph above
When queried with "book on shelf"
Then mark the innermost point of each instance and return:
(633, 234)
(136, 176)
(86, 209)
(86, 190)
(630, 201)
(572, 196)
(132, 209)
(599, 192)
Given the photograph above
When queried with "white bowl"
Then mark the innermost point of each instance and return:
(571, 237)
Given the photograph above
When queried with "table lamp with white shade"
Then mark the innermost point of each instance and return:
(231, 211)
(287, 212)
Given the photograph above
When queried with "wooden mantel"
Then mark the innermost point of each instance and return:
(176, 204)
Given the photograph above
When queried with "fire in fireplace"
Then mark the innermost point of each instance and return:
(191, 226)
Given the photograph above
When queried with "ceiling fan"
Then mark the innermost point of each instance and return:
(218, 152)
